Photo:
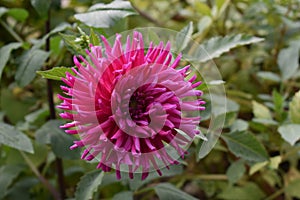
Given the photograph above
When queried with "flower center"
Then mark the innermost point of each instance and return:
(138, 105)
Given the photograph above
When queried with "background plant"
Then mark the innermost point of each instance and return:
(257, 156)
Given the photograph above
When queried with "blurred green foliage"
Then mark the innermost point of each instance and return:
(257, 156)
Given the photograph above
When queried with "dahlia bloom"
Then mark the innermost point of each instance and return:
(128, 103)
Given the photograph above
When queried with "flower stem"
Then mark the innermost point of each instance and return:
(207, 177)
(146, 15)
(52, 190)
(11, 31)
(58, 161)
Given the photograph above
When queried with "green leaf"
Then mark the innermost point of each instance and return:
(57, 29)
(14, 108)
(270, 76)
(21, 188)
(167, 191)
(184, 36)
(94, 39)
(257, 166)
(105, 15)
(56, 73)
(293, 188)
(7, 174)
(260, 111)
(127, 195)
(136, 182)
(72, 46)
(278, 99)
(5, 54)
(88, 185)
(290, 133)
(235, 171)
(18, 13)
(239, 125)
(29, 63)
(294, 108)
(222, 5)
(288, 61)
(202, 8)
(216, 46)
(246, 146)
(41, 6)
(203, 25)
(272, 164)
(265, 121)
(10, 136)
(3, 10)
(250, 191)
(50, 133)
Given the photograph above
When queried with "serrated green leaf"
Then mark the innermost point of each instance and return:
(88, 184)
(19, 14)
(246, 146)
(105, 15)
(41, 6)
(14, 138)
(216, 46)
(5, 54)
(235, 171)
(72, 46)
(288, 61)
(184, 36)
(290, 133)
(50, 133)
(7, 174)
(29, 63)
(260, 111)
(56, 73)
(294, 108)
(167, 191)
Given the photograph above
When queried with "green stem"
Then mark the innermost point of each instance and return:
(44, 181)
(58, 161)
(146, 16)
(11, 31)
(207, 177)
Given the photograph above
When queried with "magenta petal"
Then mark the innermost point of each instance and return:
(126, 102)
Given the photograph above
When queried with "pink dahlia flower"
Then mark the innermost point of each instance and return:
(128, 104)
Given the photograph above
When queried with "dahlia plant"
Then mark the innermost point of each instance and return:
(132, 106)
